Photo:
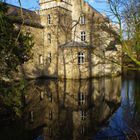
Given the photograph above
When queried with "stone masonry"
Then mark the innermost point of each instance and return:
(72, 40)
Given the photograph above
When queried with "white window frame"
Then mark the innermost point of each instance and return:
(49, 57)
(40, 59)
(83, 36)
(82, 20)
(81, 58)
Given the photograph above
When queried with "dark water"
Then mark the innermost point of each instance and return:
(100, 109)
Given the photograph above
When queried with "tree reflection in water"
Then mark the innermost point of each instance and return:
(97, 109)
(11, 109)
(125, 122)
(70, 109)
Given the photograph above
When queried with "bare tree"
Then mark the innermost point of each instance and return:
(126, 14)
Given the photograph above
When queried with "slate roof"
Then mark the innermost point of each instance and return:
(74, 44)
(19, 15)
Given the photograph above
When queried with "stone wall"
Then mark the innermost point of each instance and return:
(34, 67)
(59, 30)
(95, 63)
(53, 57)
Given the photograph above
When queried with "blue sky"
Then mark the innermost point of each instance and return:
(100, 5)
(29, 4)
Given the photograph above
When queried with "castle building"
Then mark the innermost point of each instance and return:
(72, 40)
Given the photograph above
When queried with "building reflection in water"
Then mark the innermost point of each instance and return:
(72, 109)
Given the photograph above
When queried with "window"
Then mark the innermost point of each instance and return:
(49, 19)
(50, 114)
(41, 95)
(31, 116)
(83, 114)
(82, 130)
(49, 38)
(40, 59)
(65, 20)
(49, 57)
(81, 98)
(50, 131)
(49, 96)
(82, 19)
(83, 36)
(81, 58)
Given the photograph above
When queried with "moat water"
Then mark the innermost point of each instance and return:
(97, 109)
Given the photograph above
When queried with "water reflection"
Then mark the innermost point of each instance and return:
(70, 110)
(125, 122)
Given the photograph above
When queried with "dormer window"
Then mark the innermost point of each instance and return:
(49, 19)
(82, 19)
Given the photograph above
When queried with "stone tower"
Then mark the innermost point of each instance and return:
(56, 19)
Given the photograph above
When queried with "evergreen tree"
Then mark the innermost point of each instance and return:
(15, 46)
